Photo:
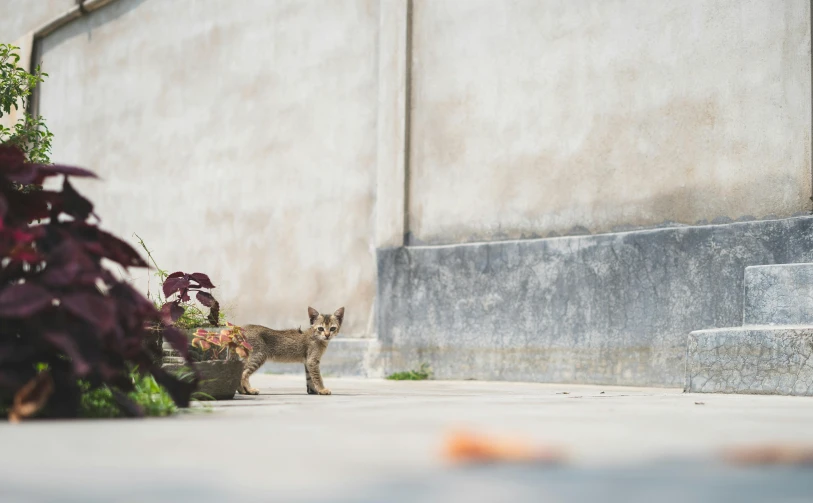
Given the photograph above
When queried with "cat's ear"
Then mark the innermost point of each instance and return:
(339, 314)
(312, 314)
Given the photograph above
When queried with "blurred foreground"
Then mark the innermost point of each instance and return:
(383, 441)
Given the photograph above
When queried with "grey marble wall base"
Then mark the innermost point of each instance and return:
(605, 309)
(770, 360)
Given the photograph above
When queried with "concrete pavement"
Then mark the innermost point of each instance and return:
(378, 439)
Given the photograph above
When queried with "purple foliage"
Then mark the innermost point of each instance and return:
(180, 284)
(60, 306)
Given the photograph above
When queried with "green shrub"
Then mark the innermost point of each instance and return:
(29, 134)
(148, 394)
(423, 373)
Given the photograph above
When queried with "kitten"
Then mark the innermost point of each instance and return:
(291, 346)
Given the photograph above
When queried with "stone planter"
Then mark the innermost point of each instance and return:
(153, 342)
(218, 378)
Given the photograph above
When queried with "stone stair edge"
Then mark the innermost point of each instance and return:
(777, 266)
(751, 328)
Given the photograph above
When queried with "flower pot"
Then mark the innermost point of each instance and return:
(218, 378)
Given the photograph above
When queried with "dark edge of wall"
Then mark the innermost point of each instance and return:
(604, 309)
(36, 58)
(407, 121)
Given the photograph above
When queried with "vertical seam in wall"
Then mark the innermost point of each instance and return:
(407, 119)
(810, 137)
(33, 101)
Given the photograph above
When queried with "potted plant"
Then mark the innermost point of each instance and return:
(215, 356)
(176, 305)
(214, 352)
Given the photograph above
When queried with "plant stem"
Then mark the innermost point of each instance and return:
(162, 275)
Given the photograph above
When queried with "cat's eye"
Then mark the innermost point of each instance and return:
(332, 329)
(321, 329)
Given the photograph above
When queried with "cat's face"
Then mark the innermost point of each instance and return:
(326, 326)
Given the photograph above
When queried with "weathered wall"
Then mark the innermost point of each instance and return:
(270, 146)
(236, 141)
(533, 118)
(18, 17)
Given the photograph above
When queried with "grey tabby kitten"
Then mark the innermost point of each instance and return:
(292, 346)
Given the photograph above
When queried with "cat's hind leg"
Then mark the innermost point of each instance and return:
(255, 361)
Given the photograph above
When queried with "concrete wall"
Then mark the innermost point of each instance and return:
(240, 142)
(290, 148)
(533, 118)
(18, 17)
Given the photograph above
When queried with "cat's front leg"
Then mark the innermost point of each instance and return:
(309, 382)
(316, 377)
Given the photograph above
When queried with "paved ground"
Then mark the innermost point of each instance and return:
(378, 440)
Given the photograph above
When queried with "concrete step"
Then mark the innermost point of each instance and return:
(779, 294)
(773, 360)
(345, 357)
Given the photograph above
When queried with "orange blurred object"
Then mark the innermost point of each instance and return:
(469, 448)
(770, 455)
